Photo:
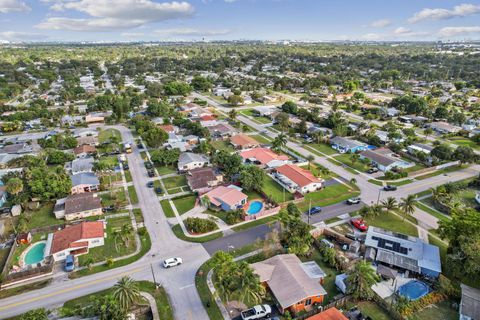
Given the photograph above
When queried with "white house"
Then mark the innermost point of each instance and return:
(296, 179)
(384, 159)
(189, 161)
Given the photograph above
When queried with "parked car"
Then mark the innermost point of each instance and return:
(314, 210)
(148, 165)
(354, 200)
(359, 224)
(158, 190)
(389, 187)
(372, 170)
(151, 173)
(70, 263)
(139, 146)
(172, 262)
(108, 209)
(150, 184)
(126, 167)
(257, 312)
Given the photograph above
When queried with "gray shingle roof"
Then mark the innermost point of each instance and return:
(88, 178)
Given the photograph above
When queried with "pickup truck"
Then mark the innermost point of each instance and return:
(257, 312)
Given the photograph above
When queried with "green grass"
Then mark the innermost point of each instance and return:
(255, 223)
(327, 196)
(115, 197)
(439, 172)
(317, 170)
(184, 204)
(400, 183)
(392, 222)
(323, 148)
(222, 145)
(138, 215)
(163, 170)
(204, 292)
(177, 230)
(433, 212)
(358, 165)
(133, 194)
(347, 168)
(461, 141)
(128, 176)
(256, 117)
(175, 182)
(440, 310)
(106, 135)
(376, 182)
(167, 209)
(261, 139)
(42, 217)
(373, 310)
(22, 289)
(108, 249)
(274, 190)
(416, 167)
(146, 244)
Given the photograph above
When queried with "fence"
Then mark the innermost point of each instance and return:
(432, 169)
(262, 214)
(317, 309)
(29, 273)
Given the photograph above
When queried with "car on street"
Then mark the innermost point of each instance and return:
(372, 170)
(359, 224)
(126, 167)
(139, 146)
(158, 190)
(150, 184)
(354, 200)
(314, 210)
(151, 173)
(172, 262)
(148, 165)
(389, 187)
(70, 263)
(108, 209)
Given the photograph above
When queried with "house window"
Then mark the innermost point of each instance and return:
(308, 302)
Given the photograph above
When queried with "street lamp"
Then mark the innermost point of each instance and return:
(378, 198)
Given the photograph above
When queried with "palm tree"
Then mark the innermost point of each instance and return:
(279, 142)
(354, 157)
(360, 280)
(251, 288)
(389, 204)
(232, 114)
(117, 234)
(375, 210)
(126, 232)
(408, 205)
(205, 201)
(310, 158)
(89, 262)
(126, 292)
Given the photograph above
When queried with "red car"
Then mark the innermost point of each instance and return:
(359, 224)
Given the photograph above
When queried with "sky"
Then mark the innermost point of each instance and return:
(302, 20)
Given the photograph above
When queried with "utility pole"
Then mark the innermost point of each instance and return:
(378, 198)
(153, 276)
(309, 210)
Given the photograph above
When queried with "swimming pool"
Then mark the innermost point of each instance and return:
(35, 253)
(255, 207)
(414, 290)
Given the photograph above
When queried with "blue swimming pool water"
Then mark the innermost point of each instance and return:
(35, 254)
(414, 290)
(255, 207)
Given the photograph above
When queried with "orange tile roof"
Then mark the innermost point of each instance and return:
(298, 175)
(263, 155)
(70, 236)
(329, 314)
(243, 140)
(207, 118)
(230, 196)
(167, 128)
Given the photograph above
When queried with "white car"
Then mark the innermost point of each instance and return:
(172, 262)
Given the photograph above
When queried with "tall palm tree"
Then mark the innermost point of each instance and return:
(126, 292)
(251, 288)
(360, 280)
(389, 204)
(232, 114)
(126, 232)
(279, 142)
(408, 205)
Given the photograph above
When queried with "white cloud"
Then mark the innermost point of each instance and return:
(381, 23)
(21, 36)
(132, 34)
(457, 31)
(402, 30)
(191, 32)
(115, 14)
(7, 6)
(461, 10)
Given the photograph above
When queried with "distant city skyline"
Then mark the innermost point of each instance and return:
(301, 20)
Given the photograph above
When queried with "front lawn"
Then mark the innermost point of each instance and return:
(222, 145)
(175, 182)
(132, 194)
(318, 171)
(262, 139)
(115, 197)
(167, 209)
(392, 222)
(323, 148)
(106, 135)
(275, 191)
(184, 204)
(329, 195)
(255, 116)
(461, 141)
(357, 165)
(439, 172)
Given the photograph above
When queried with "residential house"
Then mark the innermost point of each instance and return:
(385, 159)
(294, 286)
(82, 165)
(69, 120)
(189, 161)
(242, 141)
(76, 239)
(20, 148)
(202, 180)
(444, 127)
(329, 314)
(383, 136)
(343, 145)
(168, 128)
(84, 151)
(227, 198)
(402, 252)
(470, 303)
(87, 140)
(222, 130)
(94, 118)
(78, 206)
(265, 111)
(264, 157)
(84, 182)
(419, 147)
(296, 179)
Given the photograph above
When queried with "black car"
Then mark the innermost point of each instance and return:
(108, 209)
(126, 167)
(150, 184)
(314, 210)
(389, 188)
(151, 173)
(148, 165)
(139, 146)
(158, 190)
(372, 170)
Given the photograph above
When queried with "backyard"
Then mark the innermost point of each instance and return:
(275, 191)
(42, 217)
(175, 184)
(222, 145)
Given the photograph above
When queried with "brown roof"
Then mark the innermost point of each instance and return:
(84, 149)
(70, 236)
(379, 156)
(243, 140)
(200, 177)
(87, 140)
(329, 314)
(82, 202)
(287, 280)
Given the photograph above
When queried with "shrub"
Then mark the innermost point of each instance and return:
(233, 216)
(199, 225)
